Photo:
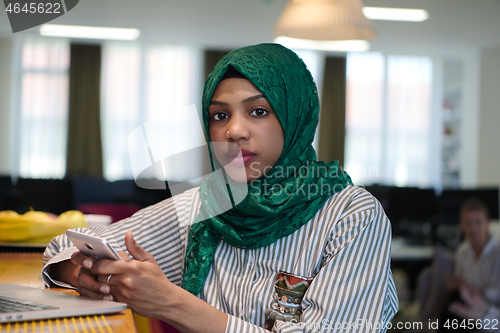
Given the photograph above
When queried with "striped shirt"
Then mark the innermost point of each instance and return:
(345, 248)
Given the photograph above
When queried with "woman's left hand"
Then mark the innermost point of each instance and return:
(140, 283)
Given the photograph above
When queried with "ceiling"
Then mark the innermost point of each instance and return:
(452, 25)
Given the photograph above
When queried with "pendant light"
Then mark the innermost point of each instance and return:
(324, 20)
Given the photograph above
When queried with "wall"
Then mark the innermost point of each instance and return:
(6, 46)
(489, 119)
(469, 131)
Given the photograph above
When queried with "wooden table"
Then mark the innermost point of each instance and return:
(24, 269)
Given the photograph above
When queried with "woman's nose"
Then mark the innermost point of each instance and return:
(237, 129)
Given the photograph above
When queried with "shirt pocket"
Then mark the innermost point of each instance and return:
(286, 301)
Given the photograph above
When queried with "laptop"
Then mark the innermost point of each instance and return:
(21, 303)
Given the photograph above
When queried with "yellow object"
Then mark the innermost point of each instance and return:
(148, 325)
(142, 323)
(35, 227)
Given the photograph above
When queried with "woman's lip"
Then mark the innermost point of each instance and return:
(241, 161)
(246, 152)
(236, 152)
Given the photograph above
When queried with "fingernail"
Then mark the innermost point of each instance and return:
(87, 263)
(108, 298)
(104, 289)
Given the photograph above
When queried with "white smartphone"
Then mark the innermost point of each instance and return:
(93, 246)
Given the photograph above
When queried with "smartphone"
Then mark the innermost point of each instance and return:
(93, 246)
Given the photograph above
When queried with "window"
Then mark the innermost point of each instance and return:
(148, 85)
(138, 84)
(120, 106)
(43, 115)
(388, 120)
(314, 62)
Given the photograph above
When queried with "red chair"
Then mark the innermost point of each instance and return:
(117, 211)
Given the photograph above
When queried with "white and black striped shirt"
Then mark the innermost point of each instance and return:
(345, 247)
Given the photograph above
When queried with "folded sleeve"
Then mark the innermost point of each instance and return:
(160, 229)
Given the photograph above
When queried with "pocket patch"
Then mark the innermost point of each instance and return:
(286, 305)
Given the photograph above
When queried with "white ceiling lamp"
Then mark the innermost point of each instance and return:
(324, 45)
(78, 31)
(396, 14)
(324, 20)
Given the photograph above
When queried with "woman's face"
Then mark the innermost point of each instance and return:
(241, 117)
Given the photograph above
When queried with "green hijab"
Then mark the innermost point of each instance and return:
(293, 191)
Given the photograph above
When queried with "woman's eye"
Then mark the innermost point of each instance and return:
(219, 116)
(259, 112)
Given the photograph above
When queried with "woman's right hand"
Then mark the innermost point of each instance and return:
(65, 271)
(77, 273)
(87, 283)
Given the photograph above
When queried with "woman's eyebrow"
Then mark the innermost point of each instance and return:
(246, 100)
(218, 103)
(253, 98)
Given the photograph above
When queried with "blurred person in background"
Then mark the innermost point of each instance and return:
(477, 266)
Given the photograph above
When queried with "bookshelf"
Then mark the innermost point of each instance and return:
(451, 121)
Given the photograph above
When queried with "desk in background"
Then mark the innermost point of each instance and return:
(24, 269)
(401, 251)
(411, 259)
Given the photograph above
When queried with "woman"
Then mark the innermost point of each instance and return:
(304, 250)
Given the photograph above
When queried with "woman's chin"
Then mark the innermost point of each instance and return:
(236, 172)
